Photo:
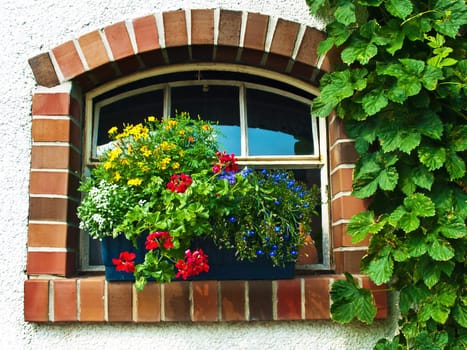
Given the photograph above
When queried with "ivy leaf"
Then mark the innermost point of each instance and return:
(416, 245)
(359, 50)
(396, 36)
(385, 344)
(432, 157)
(431, 76)
(387, 179)
(374, 101)
(455, 165)
(431, 273)
(399, 8)
(459, 311)
(338, 34)
(362, 224)
(452, 226)
(455, 15)
(350, 301)
(380, 267)
(420, 205)
(429, 124)
(345, 13)
(422, 177)
(440, 250)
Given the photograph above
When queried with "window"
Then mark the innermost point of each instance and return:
(263, 118)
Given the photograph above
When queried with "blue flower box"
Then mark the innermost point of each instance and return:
(223, 264)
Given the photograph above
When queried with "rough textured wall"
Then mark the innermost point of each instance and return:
(29, 27)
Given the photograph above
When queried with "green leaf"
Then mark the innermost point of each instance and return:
(452, 226)
(454, 16)
(416, 245)
(374, 101)
(422, 177)
(381, 267)
(455, 165)
(440, 250)
(420, 205)
(359, 50)
(399, 8)
(345, 12)
(459, 312)
(429, 124)
(362, 224)
(432, 157)
(350, 301)
(387, 179)
(431, 76)
(385, 344)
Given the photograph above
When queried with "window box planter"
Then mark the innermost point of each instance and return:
(222, 262)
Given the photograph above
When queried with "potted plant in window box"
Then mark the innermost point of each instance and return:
(167, 204)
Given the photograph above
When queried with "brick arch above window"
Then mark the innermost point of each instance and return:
(52, 291)
(185, 36)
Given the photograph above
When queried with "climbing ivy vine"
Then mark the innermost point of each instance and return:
(402, 93)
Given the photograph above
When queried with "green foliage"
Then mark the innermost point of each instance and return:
(166, 179)
(402, 95)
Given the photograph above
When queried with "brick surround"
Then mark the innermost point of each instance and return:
(53, 293)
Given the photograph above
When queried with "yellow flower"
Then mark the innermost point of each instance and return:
(151, 118)
(146, 152)
(113, 130)
(117, 176)
(206, 127)
(134, 182)
(181, 153)
(165, 162)
(170, 124)
(175, 165)
(108, 165)
(182, 132)
(113, 154)
(191, 139)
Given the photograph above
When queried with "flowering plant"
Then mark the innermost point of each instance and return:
(167, 180)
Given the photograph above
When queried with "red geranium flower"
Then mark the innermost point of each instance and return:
(179, 183)
(154, 240)
(125, 262)
(227, 162)
(194, 263)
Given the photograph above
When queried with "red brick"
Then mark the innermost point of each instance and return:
(91, 299)
(256, 30)
(93, 49)
(331, 59)
(68, 60)
(52, 235)
(317, 298)
(205, 301)
(56, 130)
(65, 300)
(119, 40)
(147, 37)
(51, 104)
(307, 53)
(289, 299)
(381, 297)
(336, 130)
(347, 206)
(348, 261)
(284, 37)
(202, 27)
(177, 301)
(55, 157)
(36, 300)
(343, 153)
(147, 303)
(175, 28)
(230, 24)
(233, 300)
(53, 263)
(119, 301)
(43, 70)
(260, 300)
(52, 209)
(341, 180)
(60, 183)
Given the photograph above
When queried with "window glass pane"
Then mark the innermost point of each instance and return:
(213, 103)
(277, 125)
(131, 110)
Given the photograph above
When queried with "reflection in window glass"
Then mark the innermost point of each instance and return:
(278, 125)
(213, 103)
(131, 110)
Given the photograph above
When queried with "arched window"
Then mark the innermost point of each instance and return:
(262, 117)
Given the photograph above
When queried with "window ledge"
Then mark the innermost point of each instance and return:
(92, 299)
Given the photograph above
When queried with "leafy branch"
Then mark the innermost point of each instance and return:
(401, 93)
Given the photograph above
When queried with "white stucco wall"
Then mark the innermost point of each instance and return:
(30, 27)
